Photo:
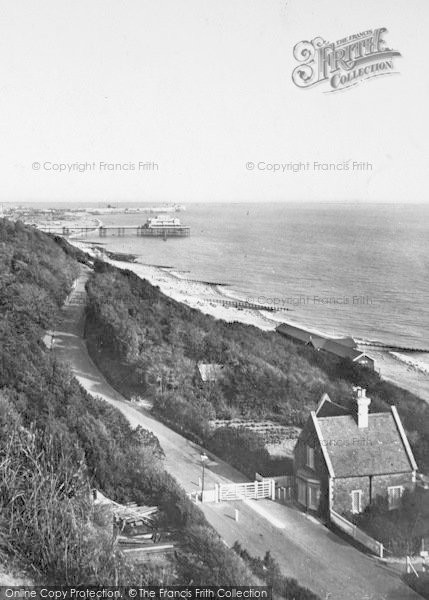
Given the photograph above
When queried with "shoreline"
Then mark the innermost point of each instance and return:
(398, 368)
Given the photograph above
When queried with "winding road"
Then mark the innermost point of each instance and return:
(304, 548)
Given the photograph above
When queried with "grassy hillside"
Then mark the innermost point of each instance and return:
(57, 442)
(149, 345)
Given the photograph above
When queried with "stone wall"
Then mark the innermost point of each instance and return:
(342, 488)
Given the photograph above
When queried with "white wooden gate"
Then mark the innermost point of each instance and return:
(240, 491)
(225, 492)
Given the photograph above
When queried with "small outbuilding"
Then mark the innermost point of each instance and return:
(344, 348)
(209, 372)
(337, 348)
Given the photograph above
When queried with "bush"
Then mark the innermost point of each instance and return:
(268, 570)
(243, 449)
(143, 340)
(57, 442)
(46, 510)
(401, 531)
(209, 562)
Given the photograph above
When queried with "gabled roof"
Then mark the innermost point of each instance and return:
(347, 341)
(327, 408)
(294, 332)
(343, 347)
(380, 448)
(209, 371)
(325, 453)
(336, 348)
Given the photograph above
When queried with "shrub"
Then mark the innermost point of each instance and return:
(401, 531)
(268, 570)
(46, 511)
(243, 449)
(265, 376)
(57, 442)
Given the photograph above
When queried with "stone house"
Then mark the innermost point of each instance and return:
(344, 459)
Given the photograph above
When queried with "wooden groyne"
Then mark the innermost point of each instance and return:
(393, 347)
(242, 304)
(212, 283)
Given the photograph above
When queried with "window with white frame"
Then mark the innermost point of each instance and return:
(394, 495)
(310, 457)
(356, 501)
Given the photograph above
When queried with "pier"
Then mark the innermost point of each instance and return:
(115, 231)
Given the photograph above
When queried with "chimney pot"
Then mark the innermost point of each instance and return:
(363, 403)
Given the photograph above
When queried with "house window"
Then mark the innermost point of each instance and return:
(302, 493)
(310, 457)
(356, 501)
(313, 496)
(394, 494)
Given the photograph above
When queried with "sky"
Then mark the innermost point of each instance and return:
(191, 92)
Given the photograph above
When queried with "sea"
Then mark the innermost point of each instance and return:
(344, 269)
(340, 268)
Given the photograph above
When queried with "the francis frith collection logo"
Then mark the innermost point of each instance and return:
(344, 63)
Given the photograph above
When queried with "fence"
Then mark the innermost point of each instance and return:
(226, 492)
(240, 491)
(356, 533)
(280, 480)
(284, 486)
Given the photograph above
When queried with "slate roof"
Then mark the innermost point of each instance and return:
(335, 348)
(347, 341)
(328, 408)
(375, 450)
(294, 332)
(345, 345)
(342, 347)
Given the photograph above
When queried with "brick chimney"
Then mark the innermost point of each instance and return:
(363, 403)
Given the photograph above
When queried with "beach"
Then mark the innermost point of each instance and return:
(196, 294)
(405, 370)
